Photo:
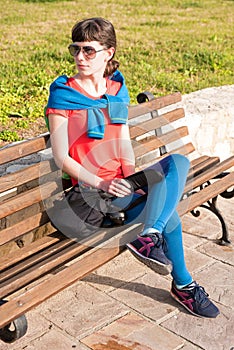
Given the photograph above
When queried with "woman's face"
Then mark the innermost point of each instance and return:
(91, 57)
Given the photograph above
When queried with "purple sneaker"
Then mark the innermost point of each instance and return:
(149, 249)
(195, 299)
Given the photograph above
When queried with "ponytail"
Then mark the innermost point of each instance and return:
(111, 67)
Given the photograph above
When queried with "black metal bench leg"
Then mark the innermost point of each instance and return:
(211, 205)
(14, 330)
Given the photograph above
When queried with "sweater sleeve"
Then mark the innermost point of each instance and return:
(62, 112)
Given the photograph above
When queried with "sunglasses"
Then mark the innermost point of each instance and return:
(89, 52)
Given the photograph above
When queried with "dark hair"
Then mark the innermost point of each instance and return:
(101, 30)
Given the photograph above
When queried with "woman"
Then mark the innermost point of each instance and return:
(87, 116)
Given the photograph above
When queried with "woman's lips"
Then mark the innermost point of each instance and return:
(82, 66)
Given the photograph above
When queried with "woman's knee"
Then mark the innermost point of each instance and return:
(173, 162)
(180, 161)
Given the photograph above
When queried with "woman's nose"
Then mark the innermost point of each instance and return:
(80, 55)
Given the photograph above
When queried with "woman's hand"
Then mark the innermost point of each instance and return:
(117, 187)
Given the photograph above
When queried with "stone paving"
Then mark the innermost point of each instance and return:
(124, 305)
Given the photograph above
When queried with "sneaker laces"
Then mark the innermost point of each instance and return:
(158, 240)
(199, 294)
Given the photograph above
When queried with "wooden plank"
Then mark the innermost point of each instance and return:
(23, 149)
(35, 261)
(41, 267)
(150, 158)
(27, 199)
(28, 250)
(155, 123)
(207, 193)
(27, 174)
(209, 174)
(157, 103)
(184, 149)
(203, 166)
(83, 265)
(143, 147)
(16, 231)
(198, 160)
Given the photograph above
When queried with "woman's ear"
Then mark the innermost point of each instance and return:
(111, 52)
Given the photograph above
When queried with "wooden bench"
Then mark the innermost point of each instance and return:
(36, 262)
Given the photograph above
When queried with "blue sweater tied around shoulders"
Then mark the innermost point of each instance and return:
(66, 98)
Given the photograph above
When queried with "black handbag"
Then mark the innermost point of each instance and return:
(83, 210)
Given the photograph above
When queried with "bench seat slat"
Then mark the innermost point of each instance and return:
(209, 174)
(31, 298)
(41, 267)
(35, 260)
(202, 166)
(205, 194)
(46, 261)
(28, 250)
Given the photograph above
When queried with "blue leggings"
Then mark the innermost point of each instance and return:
(159, 211)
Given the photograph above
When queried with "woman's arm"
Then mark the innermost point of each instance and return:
(127, 154)
(60, 147)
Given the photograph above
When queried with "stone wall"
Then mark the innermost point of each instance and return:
(210, 119)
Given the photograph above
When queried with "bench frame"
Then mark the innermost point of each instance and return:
(37, 262)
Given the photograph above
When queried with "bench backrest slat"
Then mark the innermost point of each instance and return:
(23, 149)
(155, 123)
(155, 104)
(26, 199)
(16, 231)
(152, 143)
(26, 175)
(155, 129)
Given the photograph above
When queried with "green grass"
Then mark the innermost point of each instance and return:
(163, 46)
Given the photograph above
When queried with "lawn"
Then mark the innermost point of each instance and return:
(163, 46)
